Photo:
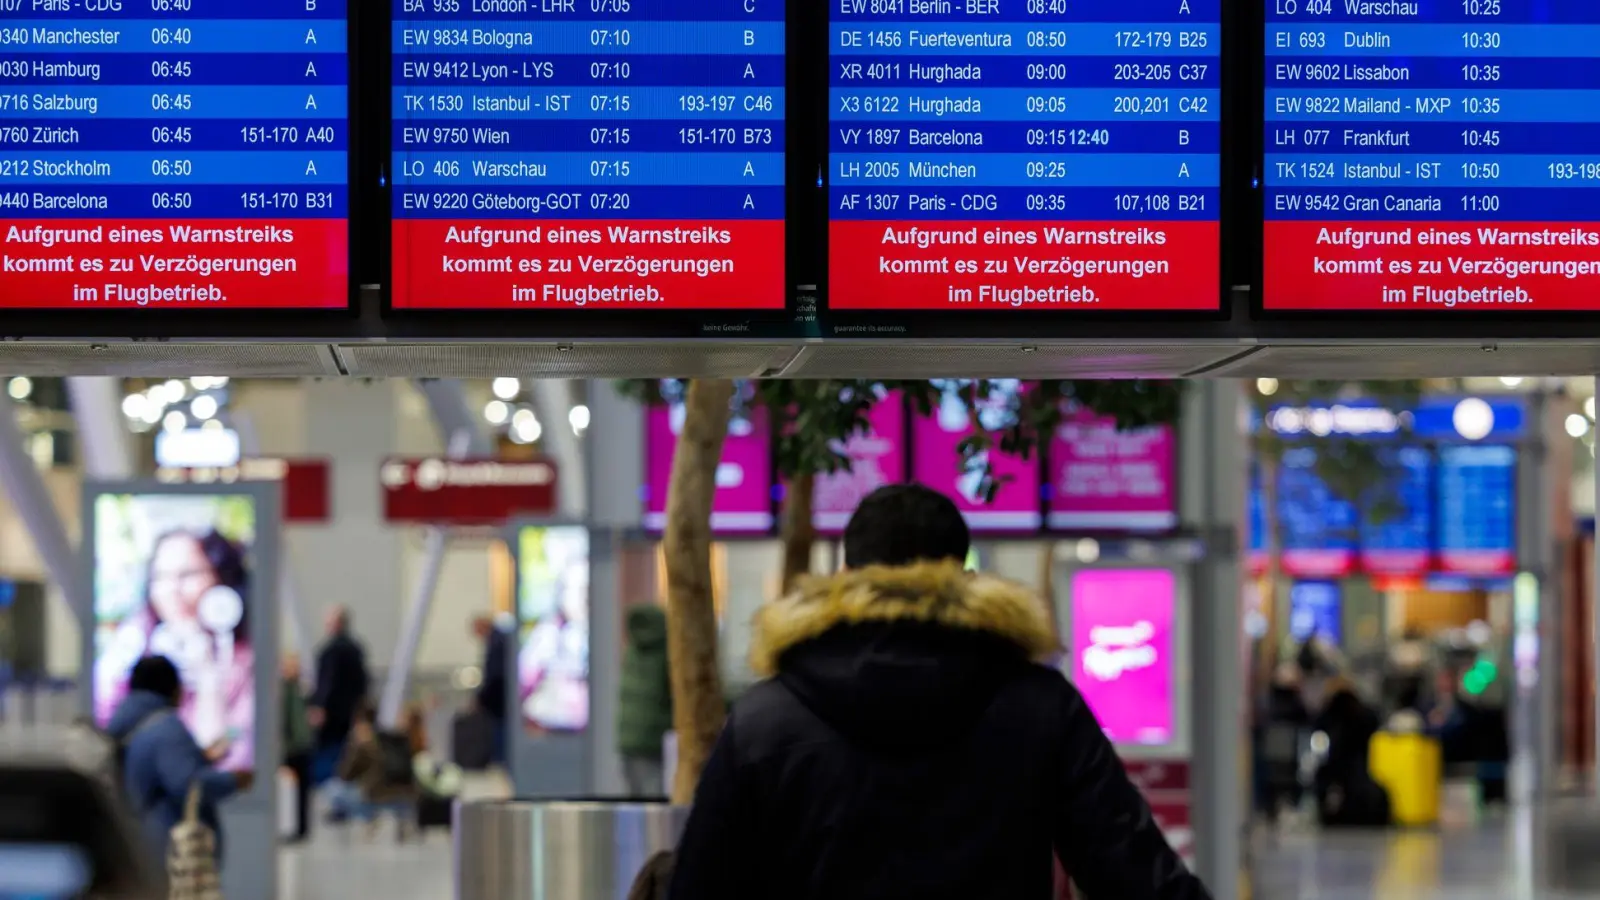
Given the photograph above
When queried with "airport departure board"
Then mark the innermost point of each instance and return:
(174, 154)
(588, 154)
(1024, 154)
(1437, 155)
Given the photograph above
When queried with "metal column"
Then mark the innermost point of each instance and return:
(449, 406)
(28, 493)
(1212, 475)
(553, 398)
(615, 473)
(102, 435)
(288, 595)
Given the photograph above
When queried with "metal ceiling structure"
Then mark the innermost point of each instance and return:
(1089, 358)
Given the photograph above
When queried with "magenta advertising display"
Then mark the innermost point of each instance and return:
(877, 457)
(172, 577)
(1122, 647)
(937, 464)
(743, 503)
(1103, 479)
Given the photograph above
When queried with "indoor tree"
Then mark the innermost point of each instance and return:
(812, 421)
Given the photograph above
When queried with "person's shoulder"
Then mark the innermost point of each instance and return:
(767, 715)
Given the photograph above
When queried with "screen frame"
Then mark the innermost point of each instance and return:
(555, 763)
(159, 323)
(1180, 667)
(250, 869)
(1418, 323)
(579, 324)
(1002, 323)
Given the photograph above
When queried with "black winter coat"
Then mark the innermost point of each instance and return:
(342, 684)
(907, 749)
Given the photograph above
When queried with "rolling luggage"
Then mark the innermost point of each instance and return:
(472, 741)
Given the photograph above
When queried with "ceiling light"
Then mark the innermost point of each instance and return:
(133, 405)
(175, 421)
(1577, 425)
(1588, 408)
(506, 388)
(578, 418)
(496, 412)
(203, 407)
(1510, 380)
(20, 387)
(175, 390)
(528, 430)
(1267, 386)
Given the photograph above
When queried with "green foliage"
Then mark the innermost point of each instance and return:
(813, 418)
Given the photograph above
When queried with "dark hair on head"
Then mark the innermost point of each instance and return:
(899, 524)
(157, 675)
(227, 562)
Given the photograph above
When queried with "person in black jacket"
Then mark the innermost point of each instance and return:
(341, 690)
(491, 696)
(906, 745)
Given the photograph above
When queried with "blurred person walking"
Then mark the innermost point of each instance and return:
(297, 744)
(162, 764)
(494, 691)
(907, 745)
(644, 702)
(342, 684)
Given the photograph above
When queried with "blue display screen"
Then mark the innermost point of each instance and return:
(1319, 528)
(1024, 154)
(174, 153)
(1432, 155)
(1401, 542)
(1315, 610)
(589, 154)
(1477, 510)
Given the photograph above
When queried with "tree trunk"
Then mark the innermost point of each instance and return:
(799, 533)
(1047, 590)
(698, 708)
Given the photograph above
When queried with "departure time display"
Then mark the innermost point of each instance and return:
(1432, 155)
(173, 154)
(567, 154)
(1024, 154)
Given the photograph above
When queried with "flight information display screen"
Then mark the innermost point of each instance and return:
(1432, 155)
(174, 154)
(1024, 154)
(573, 154)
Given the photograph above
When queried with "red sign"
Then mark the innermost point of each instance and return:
(305, 483)
(466, 491)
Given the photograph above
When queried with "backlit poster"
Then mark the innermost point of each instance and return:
(937, 463)
(553, 626)
(877, 457)
(173, 577)
(1122, 633)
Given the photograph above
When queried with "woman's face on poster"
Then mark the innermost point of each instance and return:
(180, 575)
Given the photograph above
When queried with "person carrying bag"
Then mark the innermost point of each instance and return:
(192, 871)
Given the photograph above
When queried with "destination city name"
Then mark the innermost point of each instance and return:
(39, 68)
(51, 36)
(1369, 40)
(39, 200)
(1322, 72)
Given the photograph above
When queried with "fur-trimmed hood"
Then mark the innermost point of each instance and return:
(901, 660)
(941, 594)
